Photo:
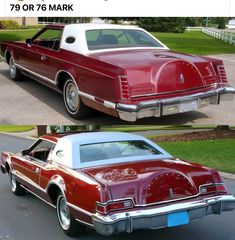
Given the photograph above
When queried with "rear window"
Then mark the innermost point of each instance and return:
(108, 150)
(119, 38)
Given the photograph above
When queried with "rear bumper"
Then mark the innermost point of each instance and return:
(158, 108)
(157, 217)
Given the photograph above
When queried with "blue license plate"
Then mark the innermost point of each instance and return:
(176, 219)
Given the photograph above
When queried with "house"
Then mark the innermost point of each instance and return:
(22, 20)
(231, 23)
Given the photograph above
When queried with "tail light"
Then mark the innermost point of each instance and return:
(112, 206)
(213, 188)
(222, 73)
(125, 89)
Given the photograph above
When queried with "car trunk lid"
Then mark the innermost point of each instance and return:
(149, 182)
(160, 71)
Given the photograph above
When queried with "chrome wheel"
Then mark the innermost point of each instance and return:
(13, 182)
(72, 97)
(63, 212)
(12, 67)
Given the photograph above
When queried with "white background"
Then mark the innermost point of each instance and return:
(98, 8)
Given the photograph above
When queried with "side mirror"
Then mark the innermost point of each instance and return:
(29, 41)
(25, 152)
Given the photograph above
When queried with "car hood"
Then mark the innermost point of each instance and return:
(152, 181)
(161, 71)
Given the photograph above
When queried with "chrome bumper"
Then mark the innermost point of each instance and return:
(157, 217)
(158, 108)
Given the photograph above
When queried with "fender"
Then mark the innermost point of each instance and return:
(59, 182)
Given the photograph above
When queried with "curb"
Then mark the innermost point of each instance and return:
(227, 175)
(21, 137)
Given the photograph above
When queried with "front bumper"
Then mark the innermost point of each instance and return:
(155, 218)
(158, 108)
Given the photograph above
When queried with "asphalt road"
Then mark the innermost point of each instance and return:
(29, 218)
(29, 102)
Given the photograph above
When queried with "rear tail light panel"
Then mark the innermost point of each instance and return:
(213, 188)
(124, 87)
(222, 73)
(105, 208)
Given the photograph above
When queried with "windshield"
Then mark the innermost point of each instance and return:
(119, 38)
(108, 150)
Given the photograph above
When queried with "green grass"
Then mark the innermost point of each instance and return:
(195, 42)
(16, 128)
(218, 154)
(16, 35)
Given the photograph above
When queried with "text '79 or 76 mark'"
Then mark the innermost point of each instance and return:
(42, 7)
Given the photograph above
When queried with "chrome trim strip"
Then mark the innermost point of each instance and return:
(36, 74)
(179, 91)
(37, 196)
(79, 209)
(85, 223)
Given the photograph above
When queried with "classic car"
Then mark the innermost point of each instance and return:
(120, 70)
(115, 182)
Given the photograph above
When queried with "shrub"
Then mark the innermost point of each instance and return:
(8, 24)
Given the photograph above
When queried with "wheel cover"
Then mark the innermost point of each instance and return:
(13, 182)
(12, 68)
(72, 97)
(63, 213)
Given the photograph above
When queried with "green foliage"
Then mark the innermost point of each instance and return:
(221, 21)
(163, 24)
(8, 24)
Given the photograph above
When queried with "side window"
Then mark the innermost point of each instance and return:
(50, 38)
(41, 150)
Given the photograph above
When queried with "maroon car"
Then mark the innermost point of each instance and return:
(119, 70)
(115, 182)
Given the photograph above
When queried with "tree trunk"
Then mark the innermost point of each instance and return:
(41, 130)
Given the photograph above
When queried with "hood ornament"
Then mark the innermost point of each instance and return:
(181, 78)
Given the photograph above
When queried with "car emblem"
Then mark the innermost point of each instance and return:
(171, 193)
(182, 79)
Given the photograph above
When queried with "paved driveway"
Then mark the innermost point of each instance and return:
(29, 218)
(29, 102)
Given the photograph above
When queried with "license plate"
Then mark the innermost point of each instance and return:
(176, 219)
(188, 106)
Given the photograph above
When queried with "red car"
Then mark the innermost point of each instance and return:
(115, 182)
(119, 70)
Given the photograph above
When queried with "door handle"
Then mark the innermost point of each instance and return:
(37, 170)
(43, 57)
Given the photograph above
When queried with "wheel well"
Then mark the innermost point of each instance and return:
(8, 56)
(61, 79)
(7, 168)
(53, 192)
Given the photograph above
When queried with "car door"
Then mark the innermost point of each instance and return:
(37, 53)
(35, 159)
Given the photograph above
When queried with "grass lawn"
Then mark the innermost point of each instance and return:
(218, 154)
(195, 42)
(16, 128)
(16, 35)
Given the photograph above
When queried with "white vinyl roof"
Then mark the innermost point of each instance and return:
(78, 31)
(67, 149)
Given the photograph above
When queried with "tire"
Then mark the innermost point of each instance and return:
(15, 73)
(67, 222)
(72, 101)
(15, 186)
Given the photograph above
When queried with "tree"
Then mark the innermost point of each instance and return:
(221, 21)
(163, 24)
